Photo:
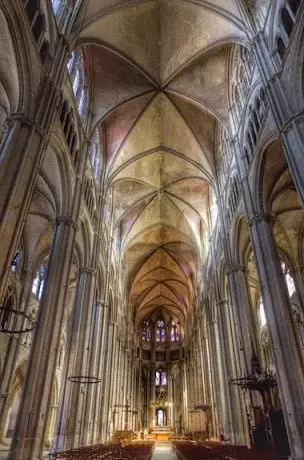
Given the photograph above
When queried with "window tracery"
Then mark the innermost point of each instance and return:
(241, 74)
(224, 156)
(287, 18)
(38, 26)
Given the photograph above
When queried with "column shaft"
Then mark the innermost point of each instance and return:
(30, 428)
(279, 320)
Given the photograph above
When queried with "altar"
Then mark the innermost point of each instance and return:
(162, 433)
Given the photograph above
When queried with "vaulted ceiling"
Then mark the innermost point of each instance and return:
(159, 82)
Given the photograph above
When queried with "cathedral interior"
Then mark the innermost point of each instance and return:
(151, 226)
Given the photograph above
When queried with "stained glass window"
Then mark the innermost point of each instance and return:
(146, 331)
(174, 332)
(160, 331)
(76, 68)
(161, 378)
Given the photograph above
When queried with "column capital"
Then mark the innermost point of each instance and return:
(261, 217)
(102, 303)
(221, 302)
(237, 268)
(86, 270)
(299, 268)
(24, 120)
(66, 221)
(297, 119)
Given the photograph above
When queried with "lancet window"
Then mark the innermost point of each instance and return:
(262, 316)
(174, 332)
(96, 153)
(289, 279)
(160, 331)
(161, 378)
(76, 69)
(16, 263)
(38, 282)
(146, 331)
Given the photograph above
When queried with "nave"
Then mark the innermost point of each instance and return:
(151, 227)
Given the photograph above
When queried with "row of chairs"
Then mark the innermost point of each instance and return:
(193, 451)
(138, 451)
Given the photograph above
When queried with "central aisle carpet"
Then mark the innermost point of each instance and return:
(163, 452)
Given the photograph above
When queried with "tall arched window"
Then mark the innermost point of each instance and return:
(96, 153)
(287, 21)
(161, 378)
(262, 316)
(160, 331)
(289, 279)
(57, 5)
(77, 72)
(16, 263)
(38, 282)
(146, 331)
(174, 332)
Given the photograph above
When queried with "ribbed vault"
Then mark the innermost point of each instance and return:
(159, 83)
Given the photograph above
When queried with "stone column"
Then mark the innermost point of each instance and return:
(247, 334)
(238, 428)
(184, 396)
(93, 390)
(28, 438)
(298, 275)
(279, 322)
(112, 334)
(117, 385)
(21, 154)
(152, 385)
(11, 356)
(170, 397)
(222, 390)
(71, 422)
(203, 364)
(219, 415)
(289, 124)
(101, 359)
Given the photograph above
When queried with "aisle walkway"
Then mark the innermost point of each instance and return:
(163, 452)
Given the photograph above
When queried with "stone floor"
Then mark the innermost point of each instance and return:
(163, 451)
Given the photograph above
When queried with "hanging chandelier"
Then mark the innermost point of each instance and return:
(259, 380)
